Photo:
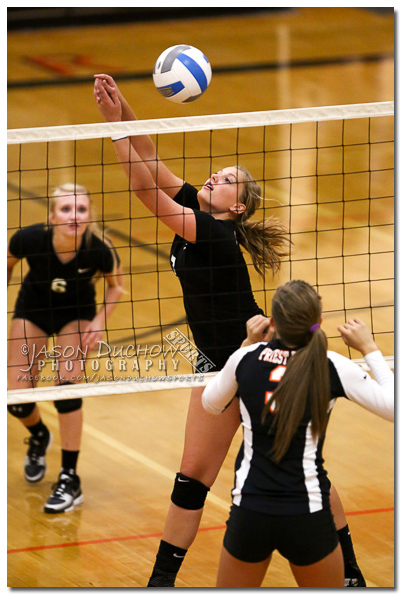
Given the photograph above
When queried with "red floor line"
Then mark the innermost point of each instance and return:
(37, 548)
(356, 512)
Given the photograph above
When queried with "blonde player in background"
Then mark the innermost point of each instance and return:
(57, 297)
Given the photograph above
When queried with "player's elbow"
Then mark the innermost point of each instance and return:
(207, 405)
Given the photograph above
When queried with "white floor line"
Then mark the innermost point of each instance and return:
(134, 455)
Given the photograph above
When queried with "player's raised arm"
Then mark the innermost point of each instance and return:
(142, 144)
(179, 219)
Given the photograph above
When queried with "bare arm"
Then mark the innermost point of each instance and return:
(179, 219)
(11, 262)
(113, 293)
(143, 145)
(375, 395)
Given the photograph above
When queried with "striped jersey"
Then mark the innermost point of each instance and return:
(298, 484)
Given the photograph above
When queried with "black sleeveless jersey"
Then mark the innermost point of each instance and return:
(217, 293)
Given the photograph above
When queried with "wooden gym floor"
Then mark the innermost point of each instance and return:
(132, 444)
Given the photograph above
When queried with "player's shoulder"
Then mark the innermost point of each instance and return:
(211, 229)
(230, 228)
(32, 235)
(338, 360)
(343, 368)
(95, 242)
(101, 251)
(29, 241)
(187, 196)
(37, 230)
(243, 353)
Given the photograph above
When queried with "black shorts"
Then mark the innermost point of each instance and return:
(213, 359)
(217, 342)
(302, 539)
(51, 322)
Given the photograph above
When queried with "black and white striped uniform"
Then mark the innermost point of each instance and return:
(298, 484)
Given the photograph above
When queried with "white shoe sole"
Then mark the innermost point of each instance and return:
(74, 503)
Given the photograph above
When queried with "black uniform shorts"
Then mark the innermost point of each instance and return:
(302, 539)
(213, 360)
(52, 321)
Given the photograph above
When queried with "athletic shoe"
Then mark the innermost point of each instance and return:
(35, 463)
(355, 582)
(66, 494)
(161, 578)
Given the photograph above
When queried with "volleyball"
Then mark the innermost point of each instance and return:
(182, 73)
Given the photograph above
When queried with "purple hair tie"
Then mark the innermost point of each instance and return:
(314, 327)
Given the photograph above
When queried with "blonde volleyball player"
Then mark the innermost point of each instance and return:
(287, 388)
(210, 225)
(57, 297)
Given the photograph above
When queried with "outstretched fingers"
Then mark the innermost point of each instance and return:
(107, 99)
(108, 82)
(107, 78)
(97, 90)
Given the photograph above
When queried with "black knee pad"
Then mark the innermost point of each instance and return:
(68, 405)
(189, 493)
(22, 410)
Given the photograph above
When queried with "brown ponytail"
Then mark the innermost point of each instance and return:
(267, 241)
(296, 308)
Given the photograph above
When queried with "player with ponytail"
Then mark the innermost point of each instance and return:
(307, 373)
(210, 226)
(287, 387)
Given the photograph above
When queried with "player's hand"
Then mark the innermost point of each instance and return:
(93, 333)
(259, 328)
(108, 100)
(109, 80)
(356, 334)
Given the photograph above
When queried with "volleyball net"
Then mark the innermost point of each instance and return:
(327, 173)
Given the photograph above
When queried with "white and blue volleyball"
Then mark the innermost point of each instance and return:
(182, 73)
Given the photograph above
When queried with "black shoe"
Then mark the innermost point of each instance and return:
(35, 463)
(66, 494)
(355, 582)
(356, 578)
(160, 578)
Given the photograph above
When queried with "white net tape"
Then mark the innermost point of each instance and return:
(197, 123)
(140, 385)
(99, 389)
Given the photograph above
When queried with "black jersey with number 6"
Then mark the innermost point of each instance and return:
(53, 288)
